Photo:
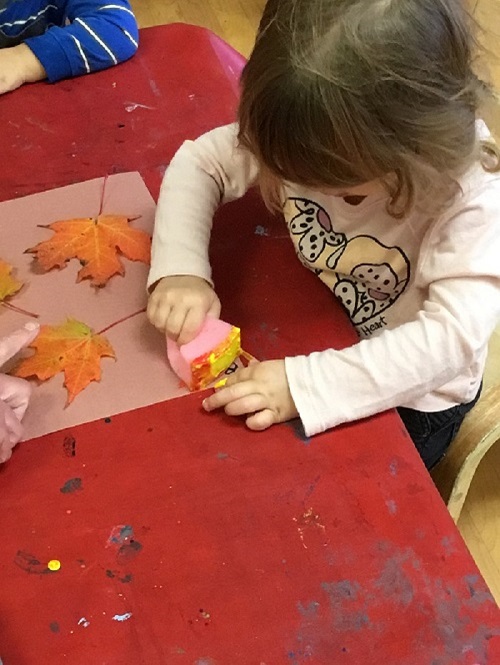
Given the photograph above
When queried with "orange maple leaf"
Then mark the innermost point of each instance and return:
(72, 348)
(8, 285)
(95, 242)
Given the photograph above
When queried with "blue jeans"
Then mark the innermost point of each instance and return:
(433, 432)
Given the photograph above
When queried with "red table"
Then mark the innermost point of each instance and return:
(184, 538)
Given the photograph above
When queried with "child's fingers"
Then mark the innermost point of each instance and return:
(157, 313)
(17, 340)
(215, 308)
(247, 404)
(241, 374)
(191, 325)
(175, 322)
(261, 420)
(229, 393)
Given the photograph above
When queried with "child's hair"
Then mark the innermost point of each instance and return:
(340, 92)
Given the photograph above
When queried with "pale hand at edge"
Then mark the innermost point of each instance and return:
(19, 65)
(14, 392)
(180, 303)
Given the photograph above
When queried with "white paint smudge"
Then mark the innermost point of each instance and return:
(392, 506)
(122, 617)
(308, 519)
(132, 106)
(83, 622)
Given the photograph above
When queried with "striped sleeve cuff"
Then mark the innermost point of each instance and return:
(52, 56)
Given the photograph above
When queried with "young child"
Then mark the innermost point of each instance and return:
(359, 119)
(56, 39)
(14, 393)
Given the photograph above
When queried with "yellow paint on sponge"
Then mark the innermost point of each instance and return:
(199, 362)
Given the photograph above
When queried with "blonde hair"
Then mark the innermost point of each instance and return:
(340, 92)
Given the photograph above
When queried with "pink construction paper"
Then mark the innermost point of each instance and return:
(140, 376)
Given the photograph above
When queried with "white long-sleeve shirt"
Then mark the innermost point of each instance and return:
(423, 293)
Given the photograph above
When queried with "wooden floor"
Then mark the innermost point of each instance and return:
(236, 22)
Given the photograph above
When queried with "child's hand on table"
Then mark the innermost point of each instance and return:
(261, 390)
(14, 393)
(19, 65)
(179, 304)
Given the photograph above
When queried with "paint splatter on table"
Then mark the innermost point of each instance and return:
(275, 551)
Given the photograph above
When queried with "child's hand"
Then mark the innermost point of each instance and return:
(179, 305)
(14, 393)
(261, 389)
(19, 65)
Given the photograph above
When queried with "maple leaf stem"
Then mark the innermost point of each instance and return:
(125, 318)
(101, 205)
(19, 310)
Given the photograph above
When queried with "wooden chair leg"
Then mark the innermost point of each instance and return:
(479, 431)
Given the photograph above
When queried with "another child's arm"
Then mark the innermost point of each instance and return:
(99, 34)
(14, 393)
(202, 175)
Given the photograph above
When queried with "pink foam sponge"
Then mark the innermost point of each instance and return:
(199, 362)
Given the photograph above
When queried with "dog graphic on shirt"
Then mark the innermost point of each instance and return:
(365, 275)
(313, 231)
(368, 277)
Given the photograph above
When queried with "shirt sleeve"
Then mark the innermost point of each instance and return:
(203, 174)
(99, 34)
(460, 275)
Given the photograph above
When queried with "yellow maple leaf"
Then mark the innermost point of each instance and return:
(8, 285)
(95, 242)
(72, 348)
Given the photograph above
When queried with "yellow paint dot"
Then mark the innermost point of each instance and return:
(54, 564)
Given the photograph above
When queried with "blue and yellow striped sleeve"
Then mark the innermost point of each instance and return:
(98, 35)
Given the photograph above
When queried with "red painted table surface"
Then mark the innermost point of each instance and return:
(184, 538)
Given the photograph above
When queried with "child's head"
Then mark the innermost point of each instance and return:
(341, 92)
